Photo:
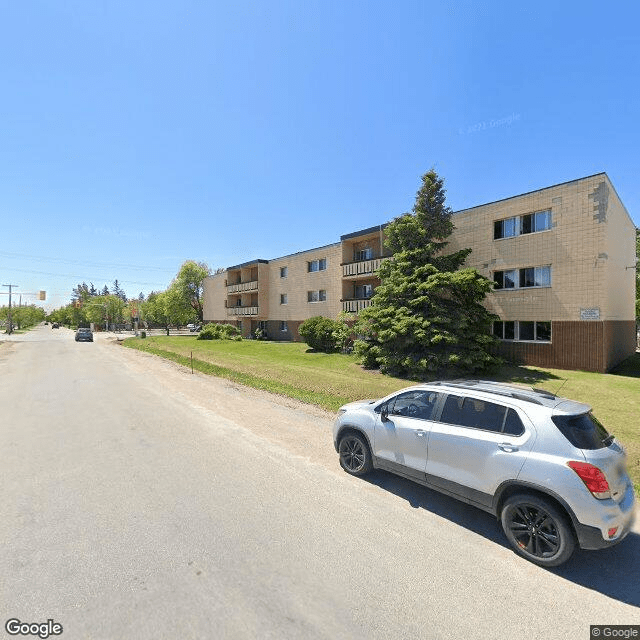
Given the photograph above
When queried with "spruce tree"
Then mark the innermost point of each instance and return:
(427, 316)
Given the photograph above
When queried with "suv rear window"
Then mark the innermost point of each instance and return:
(583, 431)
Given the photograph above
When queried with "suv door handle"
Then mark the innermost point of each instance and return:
(509, 448)
(419, 433)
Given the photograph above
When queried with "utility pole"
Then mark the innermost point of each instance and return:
(9, 327)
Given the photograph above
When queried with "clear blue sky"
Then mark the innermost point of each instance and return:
(137, 135)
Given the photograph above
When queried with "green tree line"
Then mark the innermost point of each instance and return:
(178, 305)
(22, 316)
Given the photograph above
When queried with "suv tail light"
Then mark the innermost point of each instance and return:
(593, 479)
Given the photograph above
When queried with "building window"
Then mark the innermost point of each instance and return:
(523, 330)
(505, 279)
(363, 291)
(283, 326)
(535, 277)
(316, 296)
(529, 223)
(283, 298)
(363, 254)
(523, 278)
(505, 228)
(284, 272)
(317, 265)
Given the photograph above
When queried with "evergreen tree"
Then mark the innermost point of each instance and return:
(426, 316)
(118, 292)
(105, 291)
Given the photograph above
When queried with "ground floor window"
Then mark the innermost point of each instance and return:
(523, 330)
(283, 326)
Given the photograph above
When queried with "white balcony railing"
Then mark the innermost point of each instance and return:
(362, 268)
(243, 286)
(242, 311)
(356, 305)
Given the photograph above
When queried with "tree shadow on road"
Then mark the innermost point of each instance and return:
(614, 572)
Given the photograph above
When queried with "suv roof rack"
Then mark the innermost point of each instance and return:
(498, 389)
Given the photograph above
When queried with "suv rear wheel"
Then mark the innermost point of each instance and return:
(537, 530)
(355, 457)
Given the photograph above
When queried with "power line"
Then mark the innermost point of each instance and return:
(84, 262)
(83, 277)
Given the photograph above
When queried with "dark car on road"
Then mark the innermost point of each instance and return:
(55, 325)
(84, 334)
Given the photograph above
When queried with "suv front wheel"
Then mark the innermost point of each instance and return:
(355, 457)
(537, 530)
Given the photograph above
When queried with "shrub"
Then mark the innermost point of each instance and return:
(219, 332)
(321, 333)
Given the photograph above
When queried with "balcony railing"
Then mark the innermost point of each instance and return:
(243, 286)
(242, 311)
(362, 268)
(355, 305)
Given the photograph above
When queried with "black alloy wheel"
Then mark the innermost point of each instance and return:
(537, 530)
(355, 457)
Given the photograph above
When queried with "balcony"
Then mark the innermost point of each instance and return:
(242, 311)
(243, 286)
(355, 305)
(362, 268)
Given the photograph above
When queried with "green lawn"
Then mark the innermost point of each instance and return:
(330, 380)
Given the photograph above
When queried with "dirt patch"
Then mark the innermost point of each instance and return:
(303, 429)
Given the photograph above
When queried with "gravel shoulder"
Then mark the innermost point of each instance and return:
(302, 429)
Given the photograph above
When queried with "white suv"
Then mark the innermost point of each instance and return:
(542, 464)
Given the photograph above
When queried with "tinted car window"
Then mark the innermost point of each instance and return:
(512, 424)
(413, 404)
(479, 414)
(583, 431)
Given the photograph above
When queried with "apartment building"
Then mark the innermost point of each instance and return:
(562, 259)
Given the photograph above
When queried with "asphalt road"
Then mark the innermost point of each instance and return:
(140, 501)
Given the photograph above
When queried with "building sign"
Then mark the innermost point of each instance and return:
(590, 314)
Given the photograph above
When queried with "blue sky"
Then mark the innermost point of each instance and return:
(137, 135)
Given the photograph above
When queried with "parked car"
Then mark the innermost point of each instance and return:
(55, 325)
(84, 334)
(194, 328)
(544, 465)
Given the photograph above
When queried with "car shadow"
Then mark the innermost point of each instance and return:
(614, 572)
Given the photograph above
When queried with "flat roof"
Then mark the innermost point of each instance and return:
(364, 232)
(527, 193)
(246, 264)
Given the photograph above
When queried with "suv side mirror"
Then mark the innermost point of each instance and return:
(384, 413)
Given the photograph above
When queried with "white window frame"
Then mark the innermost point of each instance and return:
(317, 296)
(317, 265)
(541, 278)
(363, 254)
(543, 218)
(516, 331)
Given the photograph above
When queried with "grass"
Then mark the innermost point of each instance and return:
(330, 380)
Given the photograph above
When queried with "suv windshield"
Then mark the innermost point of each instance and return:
(583, 431)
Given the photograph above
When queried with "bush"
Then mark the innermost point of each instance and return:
(321, 334)
(219, 332)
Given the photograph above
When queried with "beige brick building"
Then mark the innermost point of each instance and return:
(562, 259)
